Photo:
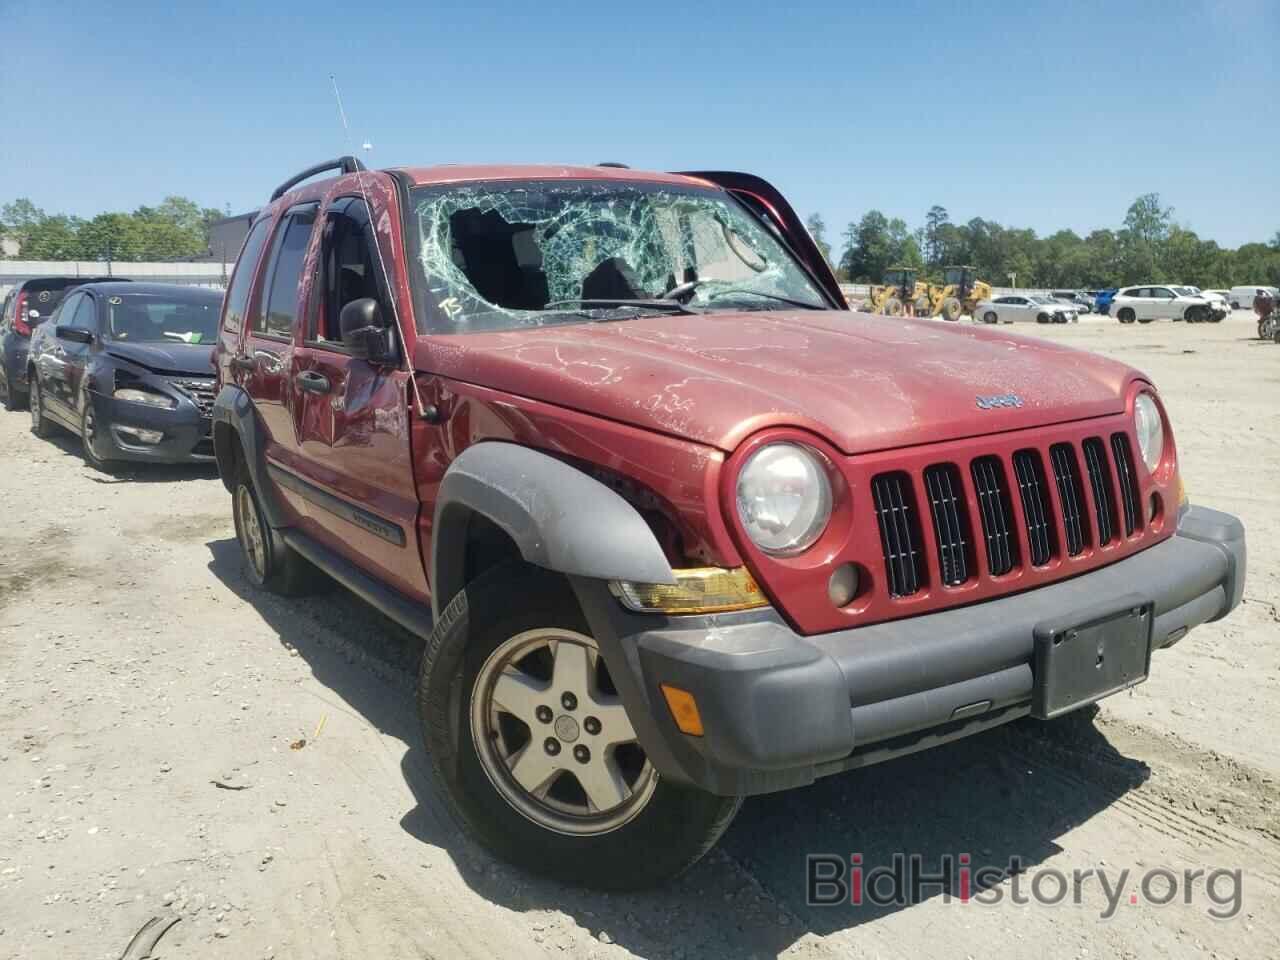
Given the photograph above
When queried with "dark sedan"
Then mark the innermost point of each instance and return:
(128, 368)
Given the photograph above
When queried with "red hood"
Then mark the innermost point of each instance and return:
(864, 382)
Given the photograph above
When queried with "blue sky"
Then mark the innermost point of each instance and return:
(1031, 114)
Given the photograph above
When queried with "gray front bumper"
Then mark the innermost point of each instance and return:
(780, 709)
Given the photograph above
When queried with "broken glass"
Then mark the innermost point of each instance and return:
(507, 254)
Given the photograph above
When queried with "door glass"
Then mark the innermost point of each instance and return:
(85, 317)
(350, 269)
(242, 282)
(282, 296)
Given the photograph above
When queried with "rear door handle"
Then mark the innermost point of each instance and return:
(247, 364)
(313, 382)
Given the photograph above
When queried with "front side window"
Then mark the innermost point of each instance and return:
(145, 318)
(510, 254)
(351, 269)
(86, 315)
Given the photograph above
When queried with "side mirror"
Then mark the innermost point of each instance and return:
(74, 334)
(365, 333)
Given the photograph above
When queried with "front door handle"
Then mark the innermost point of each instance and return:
(245, 364)
(313, 382)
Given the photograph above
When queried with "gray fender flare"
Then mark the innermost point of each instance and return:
(234, 418)
(558, 517)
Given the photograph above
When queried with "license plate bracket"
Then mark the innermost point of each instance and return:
(1091, 655)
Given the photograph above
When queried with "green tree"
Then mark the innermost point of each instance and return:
(818, 230)
(935, 221)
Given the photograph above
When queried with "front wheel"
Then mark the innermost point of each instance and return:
(1125, 316)
(892, 307)
(88, 436)
(990, 317)
(539, 758)
(40, 424)
(1042, 318)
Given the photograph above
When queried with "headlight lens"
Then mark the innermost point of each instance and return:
(145, 397)
(1149, 427)
(784, 498)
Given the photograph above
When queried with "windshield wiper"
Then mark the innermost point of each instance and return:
(768, 296)
(608, 302)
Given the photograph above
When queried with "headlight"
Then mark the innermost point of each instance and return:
(1149, 427)
(145, 397)
(784, 498)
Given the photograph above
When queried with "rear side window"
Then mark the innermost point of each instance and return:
(242, 282)
(285, 270)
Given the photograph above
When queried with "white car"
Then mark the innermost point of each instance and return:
(1218, 305)
(1145, 304)
(1019, 307)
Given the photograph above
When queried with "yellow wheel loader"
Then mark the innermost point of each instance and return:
(960, 293)
(899, 286)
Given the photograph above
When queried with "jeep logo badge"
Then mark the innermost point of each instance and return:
(999, 400)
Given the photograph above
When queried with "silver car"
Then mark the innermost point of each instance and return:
(1025, 308)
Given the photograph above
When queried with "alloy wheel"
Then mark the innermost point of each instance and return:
(251, 538)
(553, 736)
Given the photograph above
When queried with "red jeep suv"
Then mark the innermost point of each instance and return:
(677, 525)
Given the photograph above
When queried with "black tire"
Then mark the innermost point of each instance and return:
(88, 428)
(1235, 305)
(1125, 316)
(990, 317)
(12, 398)
(41, 425)
(952, 309)
(278, 568)
(1262, 328)
(1042, 318)
(673, 829)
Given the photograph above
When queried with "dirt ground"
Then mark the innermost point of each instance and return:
(175, 745)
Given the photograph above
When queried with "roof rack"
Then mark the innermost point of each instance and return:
(347, 164)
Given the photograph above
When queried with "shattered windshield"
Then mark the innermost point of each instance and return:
(507, 254)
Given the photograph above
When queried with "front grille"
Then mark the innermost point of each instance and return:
(950, 521)
(201, 391)
(997, 514)
(1040, 504)
(899, 533)
(1035, 505)
(1066, 473)
(1128, 483)
(1095, 458)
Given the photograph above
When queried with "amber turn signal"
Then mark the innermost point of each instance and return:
(684, 709)
(696, 590)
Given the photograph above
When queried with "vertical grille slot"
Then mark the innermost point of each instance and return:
(899, 532)
(1128, 483)
(1035, 504)
(997, 514)
(1066, 473)
(1095, 458)
(950, 522)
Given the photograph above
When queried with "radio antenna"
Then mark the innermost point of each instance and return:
(377, 248)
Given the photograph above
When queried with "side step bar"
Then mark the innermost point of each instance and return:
(410, 614)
